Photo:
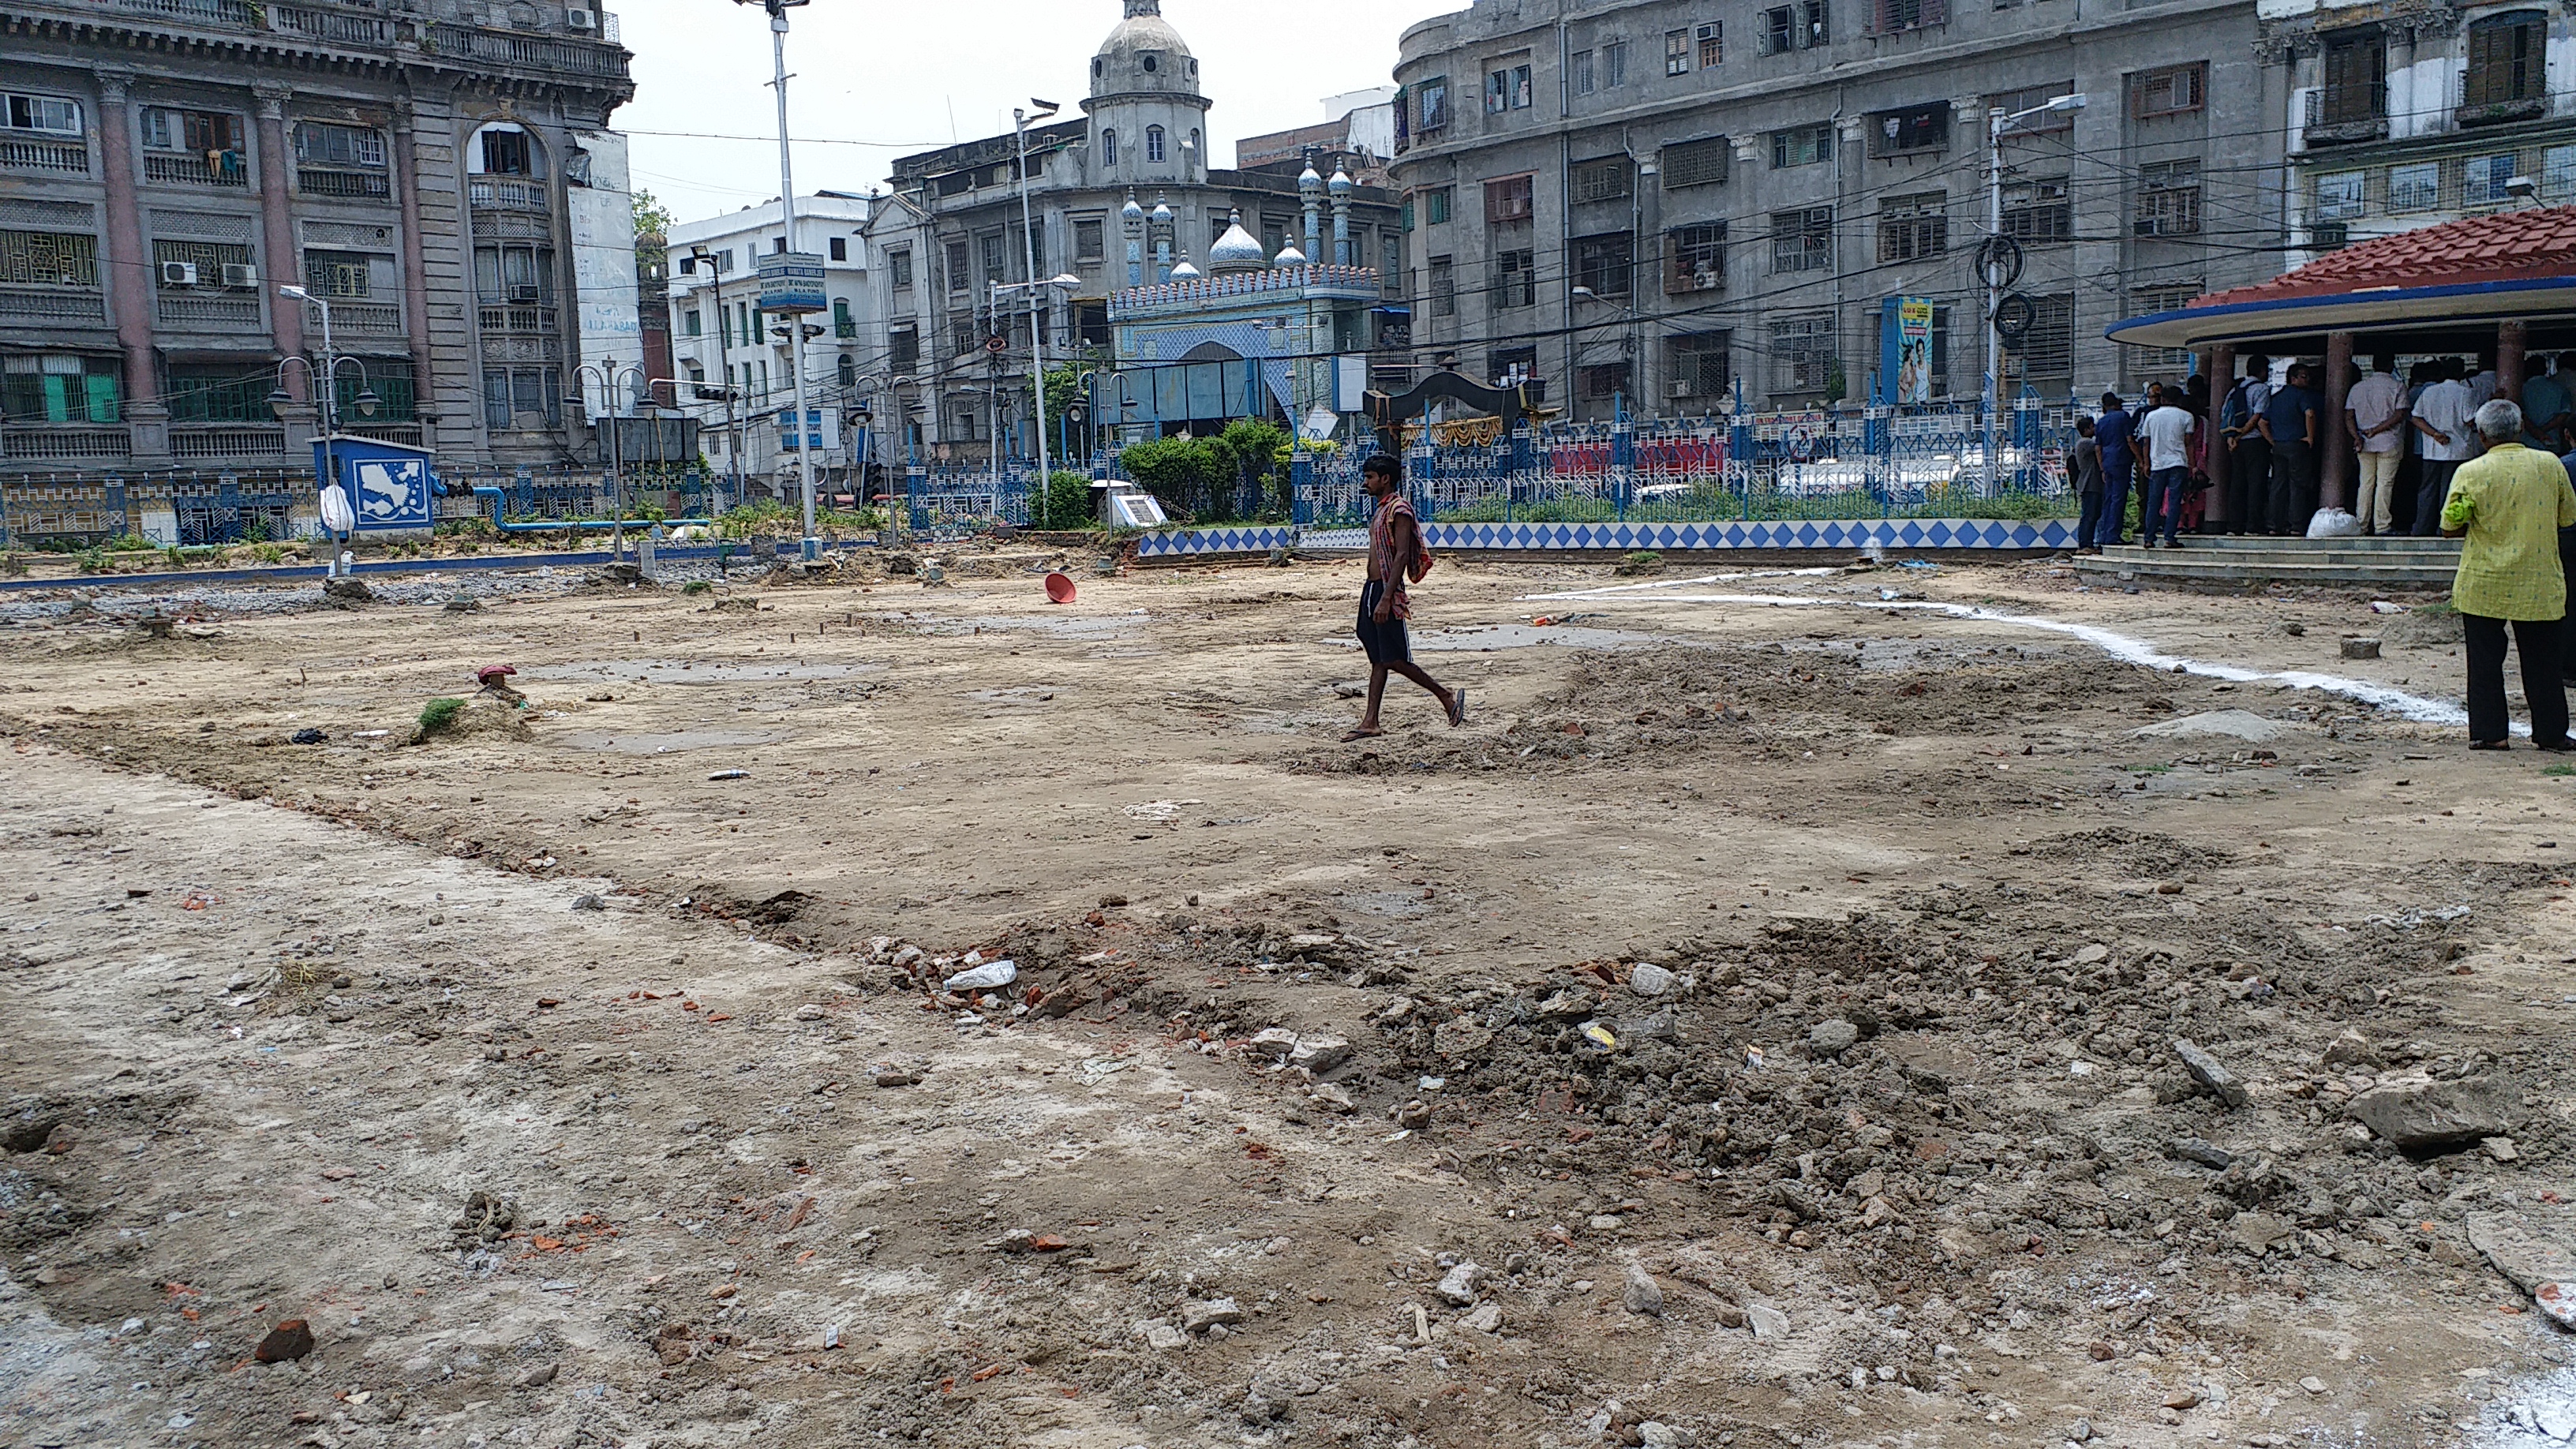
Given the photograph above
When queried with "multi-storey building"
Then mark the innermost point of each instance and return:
(438, 173)
(2409, 114)
(952, 230)
(733, 358)
(1648, 201)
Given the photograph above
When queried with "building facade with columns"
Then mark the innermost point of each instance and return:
(1649, 202)
(951, 232)
(440, 176)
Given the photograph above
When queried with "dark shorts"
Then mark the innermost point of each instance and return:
(1386, 643)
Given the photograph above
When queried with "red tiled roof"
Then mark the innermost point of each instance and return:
(2503, 247)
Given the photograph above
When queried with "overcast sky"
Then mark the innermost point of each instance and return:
(919, 74)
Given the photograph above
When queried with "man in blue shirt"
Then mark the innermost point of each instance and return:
(2289, 424)
(2112, 432)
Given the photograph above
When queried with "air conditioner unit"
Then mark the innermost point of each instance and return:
(240, 274)
(1684, 387)
(523, 294)
(577, 19)
(178, 274)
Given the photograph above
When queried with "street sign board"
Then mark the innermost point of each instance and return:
(792, 282)
(822, 428)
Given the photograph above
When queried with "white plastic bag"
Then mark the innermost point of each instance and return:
(337, 516)
(2334, 523)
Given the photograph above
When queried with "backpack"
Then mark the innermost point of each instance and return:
(1420, 564)
(2233, 414)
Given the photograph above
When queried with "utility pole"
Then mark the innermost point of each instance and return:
(1991, 261)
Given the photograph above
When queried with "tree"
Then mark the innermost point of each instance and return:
(653, 223)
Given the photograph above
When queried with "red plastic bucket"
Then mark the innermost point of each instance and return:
(1059, 589)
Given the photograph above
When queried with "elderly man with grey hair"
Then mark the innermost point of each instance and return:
(2509, 506)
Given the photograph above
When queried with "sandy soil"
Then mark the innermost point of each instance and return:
(1753, 1028)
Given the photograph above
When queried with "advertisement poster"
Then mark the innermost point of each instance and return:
(1913, 350)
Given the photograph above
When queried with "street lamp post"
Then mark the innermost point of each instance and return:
(1997, 121)
(787, 213)
(1037, 366)
(1029, 248)
(703, 257)
(609, 375)
(328, 376)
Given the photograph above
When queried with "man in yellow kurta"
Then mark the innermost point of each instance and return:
(2509, 506)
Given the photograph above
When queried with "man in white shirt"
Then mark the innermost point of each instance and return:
(2446, 439)
(2374, 416)
(2482, 388)
(2167, 430)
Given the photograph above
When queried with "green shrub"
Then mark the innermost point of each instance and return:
(91, 561)
(697, 586)
(439, 714)
(1065, 504)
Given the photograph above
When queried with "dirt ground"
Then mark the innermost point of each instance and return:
(1755, 1027)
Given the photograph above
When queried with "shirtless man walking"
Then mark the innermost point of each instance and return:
(1395, 541)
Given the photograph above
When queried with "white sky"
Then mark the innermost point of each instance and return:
(917, 75)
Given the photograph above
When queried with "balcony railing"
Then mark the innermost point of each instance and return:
(2361, 115)
(406, 433)
(500, 193)
(516, 318)
(844, 330)
(362, 185)
(52, 307)
(337, 26)
(367, 319)
(66, 444)
(70, 158)
(223, 313)
(235, 442)
(525, 52)
(187, 168)
(221, 12)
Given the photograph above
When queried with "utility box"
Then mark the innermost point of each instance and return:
(390, 485)
(1124, 505)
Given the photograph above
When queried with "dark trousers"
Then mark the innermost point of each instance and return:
(2543, 690)
(2164, 503)
(2294, 488)
(2567, 626)
(2089, 520)
(2249, 483)
(2430, 494)
(2115, 507)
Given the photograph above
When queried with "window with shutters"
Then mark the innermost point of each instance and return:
(2507, 59)
(1508, 200)
(2168, 199)
(1889, 16)
(48, 259)
(2557, 172)
(2483, 179)
(2030, 104)
(61, 387)
(1604, 180)
(961, 277)
(1507, 89)
(2146, 302)
(1436, 205)
(903, 347)
(2356, 87)
(342, 274)
(1614, 64)
(1712, 44)
(1699, 363)
(1912, 130)
(1695, 258)
(1443, 276)
(2168, 92)
(1512, 366)
(1579, 66)
(1799, 26)
(1605, 263)
(1802, 240)
(1154, 143)
(1604, 379)
(1802, 353)
(1090, 239)
(2416, 187)
(44, 115)
(1515, 278)
(2045, 361)
(2038, 211)
(169, 129)
(1802, 146)
(2340, 195)
(1435, 107)
(1911, 228)
(991, 248)
(1696, 163)
(218, 393)
(1677, 52)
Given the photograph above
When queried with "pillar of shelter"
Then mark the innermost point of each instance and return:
(2335, 461)
(2219, 366)
(2509, 359)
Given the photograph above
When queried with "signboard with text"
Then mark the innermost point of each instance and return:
(792, 282)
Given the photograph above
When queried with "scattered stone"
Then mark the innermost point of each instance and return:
(2360, 648)
(1770, 1325)
(285, 1343)
(2525, 1258)
(1572, 1001)
(1413, 1116)
(809, 1012)
(2181, 1399)
(2351, 1049)
(2313, 1384)
(894, 1076)
(2199, 1150)
(2093, 955)
(1275, 1043)
(1459, 1286)
(1487, 1319)
(1319, 1053)
(2229, 724)
(1652, 1435)
(1163, 1337)
(2501, 1149)
(984, 977)
(2082, 1432)
(1331, 1098)
(2210, 1073)
(589, 903)
(342, 592)
(1648, 979)
(464, 604)
(538, 1377)
(2257, 1232)
(1460, 1036)
(1828, 1040)
(2431, 1117)
(1199, 1317)
(1641, 1293)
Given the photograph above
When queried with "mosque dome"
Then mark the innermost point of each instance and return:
(1237, 250)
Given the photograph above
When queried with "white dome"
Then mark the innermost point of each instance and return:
(1236, 250)
(1289, 256)
(1144, 53)
(1184, 272)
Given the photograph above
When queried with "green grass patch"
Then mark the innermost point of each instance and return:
(2560, 770)
(439, 714)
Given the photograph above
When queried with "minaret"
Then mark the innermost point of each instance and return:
(1160, 224)
(1132, 217)
(1340, 186)
(1310, 189)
